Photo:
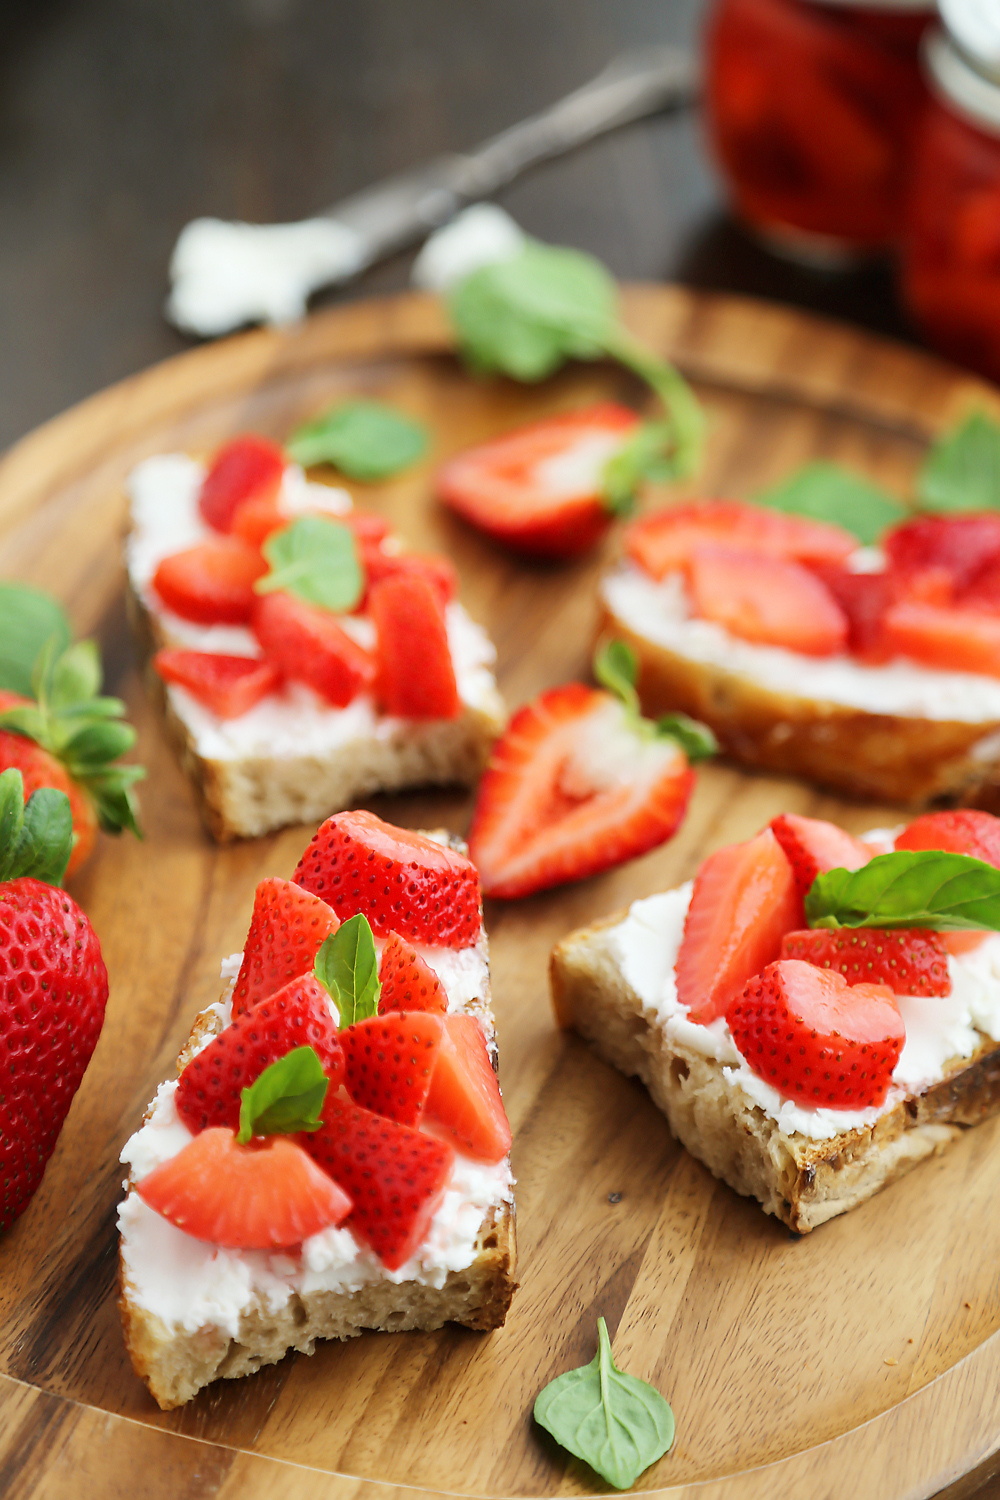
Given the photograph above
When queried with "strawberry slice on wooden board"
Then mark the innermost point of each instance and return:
(406, 981)
(415, 673)
(247, 468)
(539, 489)
(909, 960)
(957, 639)
(389, 1062)
(401, 881)
(211, 583)
(814, 846)
(771, 601)
(298, 1015)
(816, 1038)
(464, 1098)
(963, 830)
(227, 685)
(394, 1175)
(267, 1195)
(664, 541)
(744, 901)
(573, 787)
(287, 929)
(305, 643)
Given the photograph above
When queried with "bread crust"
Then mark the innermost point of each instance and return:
(803, 1182)
(244, 798)
(887, 757)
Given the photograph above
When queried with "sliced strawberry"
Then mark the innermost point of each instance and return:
(38, 768)
(368, 527)
(248, 468)
(956, 640)
(961, 544)
(407, 983)
(389, 1060)
(909, 960)
(744, 901)
(571, 789)
(539, 490)
(402, 881)
(211, 583)
(266, 1195)
(306, 644)
(665, 540)
(983, 591)
(814, 846)
(298, 1015)
(962, 830)
(287, 929)
(815, 1037)
(395, 1176)
(416, 675)
(962, 942)
(864, 599)
(256, 518)
(228, 685)
(464, 1098)
(766, 599)
(438, 571)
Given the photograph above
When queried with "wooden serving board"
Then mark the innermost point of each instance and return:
(861, 1360)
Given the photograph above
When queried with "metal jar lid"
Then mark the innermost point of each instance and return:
(963, 60)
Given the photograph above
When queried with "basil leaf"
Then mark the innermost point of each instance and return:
(287, 1097)
(76, 676)
(695, 739)
(616, 1423)
(616, 668)
(363, 439)
(28, 618)
(827, 492)
(647, 453)
(909, 888)
(317, 560)
(347, 966)
(962, 469)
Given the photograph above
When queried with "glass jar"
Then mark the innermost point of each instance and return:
(812, 109)
(950, 274)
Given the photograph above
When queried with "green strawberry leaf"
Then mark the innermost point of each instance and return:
(827, 492)
(75, 677)
(615, 1422)
(695, 739)
(35, 838)
(363, 439)
(287, 1097)
(909, 888)
(347, 966)
(616, 668)
(317, 560)
(962, 469)
(11, 816)
(28, 619)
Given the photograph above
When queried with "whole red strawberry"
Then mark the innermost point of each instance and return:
(53, 987)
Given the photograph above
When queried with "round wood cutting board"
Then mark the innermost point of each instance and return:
(862, 1360)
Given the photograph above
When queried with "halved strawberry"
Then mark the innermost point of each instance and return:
(769, 600)
(287, 929)
(814, 846)
(248, 468)
(298, 1015)
(306, 644)
(958, 639)
(211, 583)
(664, 541)
(416, 674)
(402, 881)
(961, 544)
(266, 1195)
(38, 768)
(815, 1037)
(395, 1176)
(744, 901)
(539, 490)
(389, 1061)
(572, 788)
(962, 830)
(909, 960)
(228, 685)
(407, 983)
(464, 1098)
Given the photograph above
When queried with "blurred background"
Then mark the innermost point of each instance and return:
(120, 120)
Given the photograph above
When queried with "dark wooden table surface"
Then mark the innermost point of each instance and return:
(120, 120)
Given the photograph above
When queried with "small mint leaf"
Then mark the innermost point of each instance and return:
(286, 1098)
(364, 439)
(347, 966)
(616, 668)
(28, 619)
(317, 560)
(827, 492)
(962, 470)
(909, 888)
(695, 739)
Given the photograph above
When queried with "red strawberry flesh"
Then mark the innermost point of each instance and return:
(389, 1062)
(665, 540)
(248, 468)
(770, 601)
(910, 960)
(212, 582)
(287, 929)
(407, 982)
(306, 644)
(962, 830)
(464, 1098)
(227, 685)
(415, 672)
(814, 846)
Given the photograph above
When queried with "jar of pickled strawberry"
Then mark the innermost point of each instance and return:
(812, 107)
(951, 256)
